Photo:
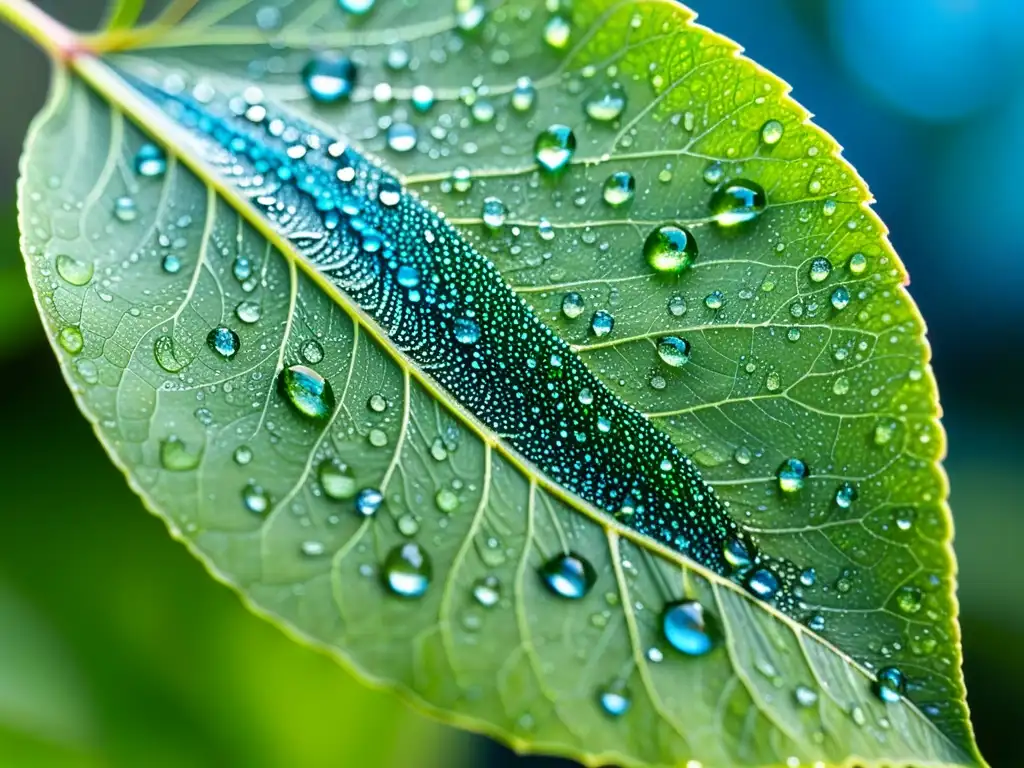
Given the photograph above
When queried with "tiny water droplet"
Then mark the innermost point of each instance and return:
(689, 629)
(846, 494)
(524, 95)
(312, 548)
(329, 77)
(805, 696)
(407, 570)
(674, 351)
(554, 148)
(737, 202)
(255, 499)
(357, 7)
(125, 210)
(619, 189)
(150, 161)
(74, 271)
(224, 342)
(670, 248)
(569, 575)
(308, 392)
(792, 475)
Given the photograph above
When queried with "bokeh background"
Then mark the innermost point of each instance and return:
(116, 649)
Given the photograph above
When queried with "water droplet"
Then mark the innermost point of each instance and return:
(224, 342)
(808, 576)
(466, 331)
(308, 392)
(602, 323)
(908, 599)
(524, 95)
(619, 189)
(890, 684)
(378, 438)
(846, 494)
(357, 7)
(368, 502)
(736, 553)
(165, 353)
(606, 104)
(614, 701)
(554, 148)
(422, 98)
(407, 570)
(858, 263)
(494, 213)
(763, 583)
(557, 32)
(737, 202)
(572, 305)
(569, 575)
(171, 264)
(677, 306)
(904, 519)
(408, 277)
(771, 132)
(255, 499)
(689, 629)
(773, 381)
(329, 77)
(312, 351)
(408, 525)
(242, 455)
(462, 181)
(125, 210)
(176, 456)
(70, 339)
(150, 161)
(884, 432)
(670, 248)
(805, 696)
(841, 298)
(714, 300)
(674, 351)
(714, 173)
(446, 500)
(336, 479)
(821, 268)
(402, 137)
(487, 591)
(792, 475)
(74, 271)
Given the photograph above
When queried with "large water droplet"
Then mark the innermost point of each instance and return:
(840, 298)
(890, 685)
(402, 137)
(554, 148)
(737, 202)
(224, 342)
(329, 77)
(792, 474)
(569, 575)
(255, 499)
(466, 331)
(407, 570)
(573, 305)
(178, 457)
(674, 351)
(336, 479)
(820, 269)
(368, 502)
(688, 629)
(763, 583)
(771, 132)
(736, 553)
(557, 32)
(308, 392)
(619, 189)
(165, 352)
(74, 271)
(150, 161)
(357, 7)
(312, 351)
(670, 248)
(858, 263)
(602, 323)
(606, 104)
(846, 494)
(70, 339)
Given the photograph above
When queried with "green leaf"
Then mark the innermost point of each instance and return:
(790, 337)
(123, 14)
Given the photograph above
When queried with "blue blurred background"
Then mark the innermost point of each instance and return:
(117, 650)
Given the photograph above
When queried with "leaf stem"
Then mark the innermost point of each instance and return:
(45, 31)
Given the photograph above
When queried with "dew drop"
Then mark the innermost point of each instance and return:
(846, 494)
(737, 202)
(422, 98)
(329, 77)
(447, 500)
(242, 455)
(670, 248)
(805, 696)
(402, 137)
(248, 311)
(763, 583)
(688, 628)
(175, 456)
(791, 475)
(407, 570)
(523, 95)
(224, 342)
(368, 502)
(714, 173)
(601, 323)
(255, 499)
(557, 32)
(674, 351)
(308, 392)
(619, 189)
(356, 7)
(125, 210)
(150, 161)
(858, 263)
(487, 591)
(494, 213)
(677, 306)
(462, 181)
(70, 339)
(312, 351)
(908, 599)
(407, 276)
(714, 300)
(466, 331)
(572, 305)
(821, 268)
(771, 132)
(607, 104)
(554, 148)
(736, 553)
(171, 264)
(614, 701)
(840, 298)
(165, 353)
(890, 684)
(569, 575)
(73, 271)
(336, 479)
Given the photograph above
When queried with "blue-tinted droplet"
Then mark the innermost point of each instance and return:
(402, 137)
(792, 474)
(614, 702)
(619, 189)
(408, 277)
(737, 202)
(569, 575)
(554, 148)
(329, 77)
(125, 210)
(150, 161)
(841, 298)
(737, 553)
(368, 501)
(466, 331)
(890, 685)
(602, 323)
(846, 494)
(356, 7)
(674, 351)
(224, 342)
(407, 570)
(688, 629)
(308, 392)
(763, 583)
